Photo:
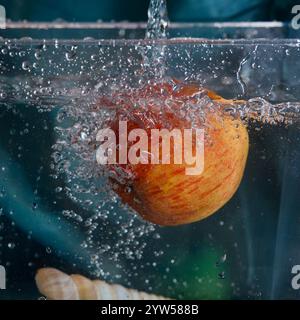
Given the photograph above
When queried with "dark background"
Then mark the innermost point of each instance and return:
(136, 10)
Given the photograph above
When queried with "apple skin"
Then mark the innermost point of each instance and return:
(162, 193)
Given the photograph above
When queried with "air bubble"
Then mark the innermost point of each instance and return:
(70, 56)
(11, 245)
(58, 189)
(38, 55)
(34, 206)
(25, 65)
(3, 95)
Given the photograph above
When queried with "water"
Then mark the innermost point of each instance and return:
(58, 207)
(157, 20)
(154, 63)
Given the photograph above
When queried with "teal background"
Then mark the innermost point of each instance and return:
(136, 10)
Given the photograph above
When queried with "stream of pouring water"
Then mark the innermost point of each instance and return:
(157, 28)
(157, 20)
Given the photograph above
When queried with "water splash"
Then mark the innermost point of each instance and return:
(239, 72)
(250, 57)
(154, 54)
(157, 20)
(264, 112)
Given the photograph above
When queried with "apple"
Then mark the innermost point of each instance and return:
(163, 193)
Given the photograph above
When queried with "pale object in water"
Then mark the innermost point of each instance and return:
(56, 285)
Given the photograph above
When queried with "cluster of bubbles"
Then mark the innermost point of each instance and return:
(113, 230)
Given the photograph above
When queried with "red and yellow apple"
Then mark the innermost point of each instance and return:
(163, 193)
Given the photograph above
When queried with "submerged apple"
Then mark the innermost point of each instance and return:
(164, 193)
